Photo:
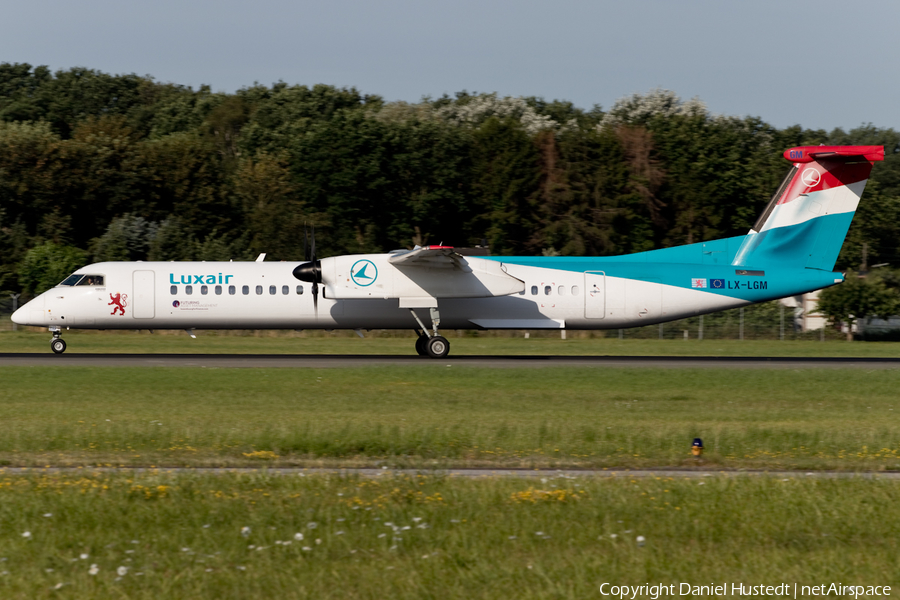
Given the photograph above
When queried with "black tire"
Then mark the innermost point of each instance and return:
(437, 347)
(420, 345)
(58, 346)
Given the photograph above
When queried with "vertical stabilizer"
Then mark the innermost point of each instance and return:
(807, 219)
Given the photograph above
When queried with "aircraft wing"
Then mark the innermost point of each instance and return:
(428, 273)
(439, 257)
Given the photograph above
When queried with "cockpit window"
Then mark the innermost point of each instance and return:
(82, 279)
(72, 279)
(94, 280)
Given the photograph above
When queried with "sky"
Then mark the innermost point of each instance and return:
(823, 65)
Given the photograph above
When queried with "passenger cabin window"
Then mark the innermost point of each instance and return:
(173, 290)
(231, 290)
(218, 290)
(188, 289)
(285, 289)
(259, 290)
(299, 290)
(204, 289)
(547, 290)
(272, 290)
(562, 290)
(245, 290)
(574, 290)
(534, 290)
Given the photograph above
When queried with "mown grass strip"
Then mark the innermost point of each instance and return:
(449, 416)
(159, 535)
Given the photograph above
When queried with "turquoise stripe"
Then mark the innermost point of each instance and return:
(815, 243)
(794, 260)
(775, 283)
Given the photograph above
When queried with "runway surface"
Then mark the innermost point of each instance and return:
(320, 361)
(464, 473)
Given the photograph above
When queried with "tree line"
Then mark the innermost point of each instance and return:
(95, 166)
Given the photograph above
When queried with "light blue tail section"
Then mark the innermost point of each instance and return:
(806, 221)
(814, 244)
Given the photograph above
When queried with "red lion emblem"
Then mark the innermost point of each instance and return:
(120, 301)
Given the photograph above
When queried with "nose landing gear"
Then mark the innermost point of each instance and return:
(57, 344)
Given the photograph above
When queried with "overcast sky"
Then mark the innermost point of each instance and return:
(826, 64)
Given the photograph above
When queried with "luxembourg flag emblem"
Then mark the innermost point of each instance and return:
(698, 283)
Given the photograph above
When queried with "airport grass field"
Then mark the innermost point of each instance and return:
(159, 535)
(437, 416)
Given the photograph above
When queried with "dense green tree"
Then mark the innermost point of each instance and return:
(46, 265)
(31, 168)
(276, 217)
(126, 238)
(172, 240)
(505, 182)
(857, 298)
(66, 98)
(123, 166)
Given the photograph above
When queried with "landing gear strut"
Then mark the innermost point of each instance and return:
(57, 344)
(431, 343)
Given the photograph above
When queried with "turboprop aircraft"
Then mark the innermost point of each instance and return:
(790, 250)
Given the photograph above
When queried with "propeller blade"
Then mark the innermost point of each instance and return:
(315, 293)
(305, 243)
(311, 270)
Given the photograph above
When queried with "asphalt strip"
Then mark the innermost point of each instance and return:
(322, 361)
(464, 473)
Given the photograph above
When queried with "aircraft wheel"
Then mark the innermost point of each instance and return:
(420, 345)
(437, 347)
(58, 346)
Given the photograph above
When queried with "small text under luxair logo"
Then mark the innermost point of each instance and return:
(194, 279)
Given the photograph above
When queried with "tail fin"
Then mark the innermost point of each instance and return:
(807, 219)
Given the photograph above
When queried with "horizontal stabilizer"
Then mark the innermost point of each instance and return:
(805, 154)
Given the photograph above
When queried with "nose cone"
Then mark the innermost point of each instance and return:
(30, 313)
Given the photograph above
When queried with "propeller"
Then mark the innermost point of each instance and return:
(310, 271)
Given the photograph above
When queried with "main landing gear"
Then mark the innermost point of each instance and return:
(431, 343)
(57, 344)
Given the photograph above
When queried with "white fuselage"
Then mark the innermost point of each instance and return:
(261, 295)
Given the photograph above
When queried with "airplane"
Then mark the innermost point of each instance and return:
(790, 250)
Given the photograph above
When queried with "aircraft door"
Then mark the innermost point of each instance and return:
(594, 295)
(143, 301)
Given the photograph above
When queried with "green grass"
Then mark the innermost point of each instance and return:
(462, 343)
(179, 536)
(440, 416)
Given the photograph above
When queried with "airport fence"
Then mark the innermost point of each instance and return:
(767, 321)
(8, 304)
